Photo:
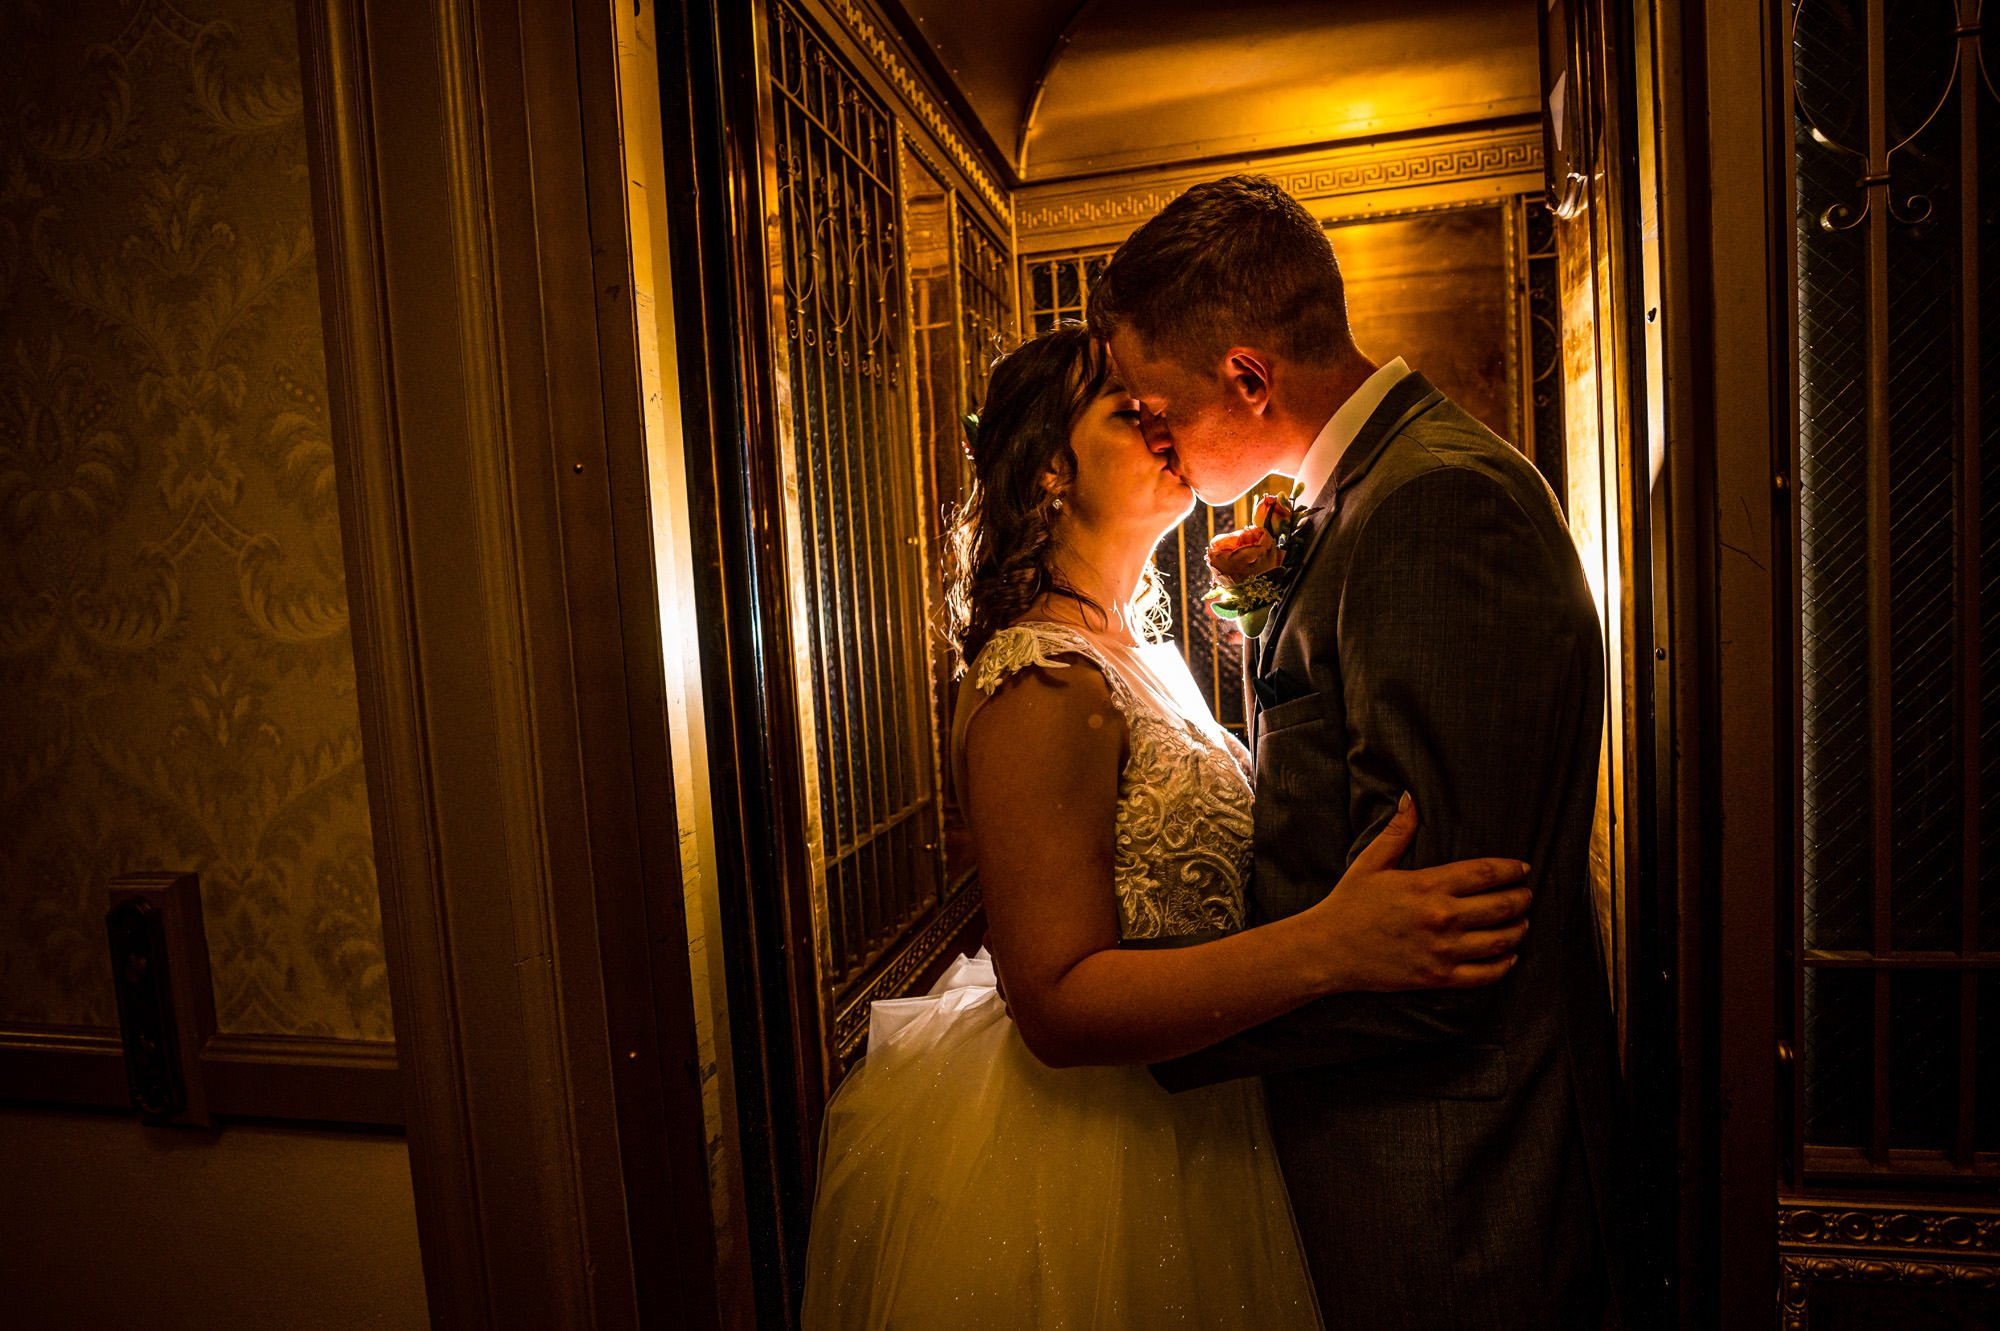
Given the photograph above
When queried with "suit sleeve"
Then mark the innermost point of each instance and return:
(1456, 649)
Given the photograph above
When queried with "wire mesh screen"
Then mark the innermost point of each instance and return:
(863, 589)
(1833, 500)
(1896, 578)
(1924, 812)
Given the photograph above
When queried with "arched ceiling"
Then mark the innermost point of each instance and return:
(1075, 87)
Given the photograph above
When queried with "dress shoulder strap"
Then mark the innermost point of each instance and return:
(1020, 646)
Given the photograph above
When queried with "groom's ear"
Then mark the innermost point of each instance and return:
(1249, 375)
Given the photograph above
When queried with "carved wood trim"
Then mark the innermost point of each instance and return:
(455, 148)
(337, 68)
(1798, 1273)
(1889, 1226)
(1887, 1243)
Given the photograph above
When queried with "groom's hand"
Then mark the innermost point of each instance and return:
(1453, 926)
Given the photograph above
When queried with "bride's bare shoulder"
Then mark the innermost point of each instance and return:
(1045, 699)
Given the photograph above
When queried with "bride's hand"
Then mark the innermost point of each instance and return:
(1453, 926)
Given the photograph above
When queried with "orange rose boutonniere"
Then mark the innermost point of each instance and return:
(1251, 567)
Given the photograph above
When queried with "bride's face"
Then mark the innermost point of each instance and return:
(1120, 482)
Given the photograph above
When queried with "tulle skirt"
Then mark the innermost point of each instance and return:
(964, 1184)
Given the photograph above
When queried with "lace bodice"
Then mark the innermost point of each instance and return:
(1181, 858)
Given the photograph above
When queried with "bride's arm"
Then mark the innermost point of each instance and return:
(1042, 765)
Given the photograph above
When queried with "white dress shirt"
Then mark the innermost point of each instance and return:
(1338, 433)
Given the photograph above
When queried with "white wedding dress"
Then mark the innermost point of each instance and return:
(964, 1184)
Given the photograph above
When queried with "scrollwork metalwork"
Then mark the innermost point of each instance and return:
(984, 300)
(1916, 208)
(853, 495)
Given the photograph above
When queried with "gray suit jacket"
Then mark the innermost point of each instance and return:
(1448, 1153)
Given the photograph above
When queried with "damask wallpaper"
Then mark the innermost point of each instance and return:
(176, 681)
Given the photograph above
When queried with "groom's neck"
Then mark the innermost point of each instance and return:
(1312, 393)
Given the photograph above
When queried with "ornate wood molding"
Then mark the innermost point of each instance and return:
(475, 292)
(1797, 1274)
(883, 50)
(1884, 1243)
(1900, 1228)
(1056, 216)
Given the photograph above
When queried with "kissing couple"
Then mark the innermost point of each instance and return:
(1312, 1034)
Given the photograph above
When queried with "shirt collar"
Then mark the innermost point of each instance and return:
(1334, 437)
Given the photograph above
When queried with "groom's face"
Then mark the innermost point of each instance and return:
(1196, 417)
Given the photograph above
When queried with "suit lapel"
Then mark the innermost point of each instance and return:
(1409, 399)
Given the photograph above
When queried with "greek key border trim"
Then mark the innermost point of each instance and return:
(1324, 175)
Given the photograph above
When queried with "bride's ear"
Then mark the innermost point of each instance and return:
(1054, 482)
(1249, 374)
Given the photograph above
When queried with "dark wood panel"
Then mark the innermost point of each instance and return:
(1434, 288)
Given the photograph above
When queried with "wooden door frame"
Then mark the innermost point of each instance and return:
(1748, 807)
(713, 105)
(1728, 698)
(484, 393)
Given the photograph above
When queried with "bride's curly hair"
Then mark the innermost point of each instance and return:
(1000, 550)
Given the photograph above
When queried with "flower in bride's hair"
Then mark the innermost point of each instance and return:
(1238, 556)
(968, 425)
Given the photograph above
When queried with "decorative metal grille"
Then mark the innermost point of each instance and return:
(1545, 385)
(985, 301)
(1897, 582)
(1212, 649)
(1058, 286)
(861, 540)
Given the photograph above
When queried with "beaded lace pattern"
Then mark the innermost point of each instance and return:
(1182, 855)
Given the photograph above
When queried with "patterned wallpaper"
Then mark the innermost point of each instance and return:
(176, 680)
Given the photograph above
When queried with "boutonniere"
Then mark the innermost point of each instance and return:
(1250, 568)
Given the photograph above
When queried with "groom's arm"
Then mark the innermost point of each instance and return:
(1456, 652)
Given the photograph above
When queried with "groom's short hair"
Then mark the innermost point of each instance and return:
(1232, 262)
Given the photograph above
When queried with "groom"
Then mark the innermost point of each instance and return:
(1447, 1151)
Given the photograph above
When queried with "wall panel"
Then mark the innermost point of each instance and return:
(177, 687)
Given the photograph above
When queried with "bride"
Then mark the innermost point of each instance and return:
(1006, 1161)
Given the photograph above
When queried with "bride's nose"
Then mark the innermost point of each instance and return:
(1154, 427)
